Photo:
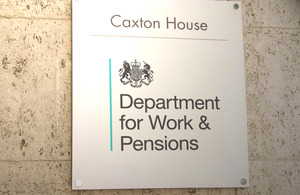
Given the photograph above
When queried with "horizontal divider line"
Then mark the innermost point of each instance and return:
(198, 39)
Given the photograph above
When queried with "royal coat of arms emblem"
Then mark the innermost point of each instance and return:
(135, 76)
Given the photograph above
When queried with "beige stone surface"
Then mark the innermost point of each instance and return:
(273, 177)
(35, 177)
(272, 62)
(271, 13)
(35, 99)
(44, 9)
(34, 107)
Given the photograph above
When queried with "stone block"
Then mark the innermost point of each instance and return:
(35, 177)
(33, 57)
(273, 93)
(271, 13)
(36, 9)
(273, 177)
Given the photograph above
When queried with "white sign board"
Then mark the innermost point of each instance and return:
(158, 95)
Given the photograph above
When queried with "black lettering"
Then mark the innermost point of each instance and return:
(175, 102)
(147, 22)
(194, 144)
(138, 101)
(132, 125)
(203, 26)
(186, 144)
(182, 25)
(156, 23)
(122, 121)
(121, 99)
(186, 103)
(125, 143)
(126, 23)
(199, 104)
(170, 125)
(160, 103)
(189, 27)
(159, 145)
(217, 103)
(206, 103)
(187, 123)
(111, 20)
(174, 23)
(170, 144)
(148, 141)
(141, 22)
(197, 26)
(166, 143)
(146, 104)
(157, 120)
(135, 23)
(138, 145)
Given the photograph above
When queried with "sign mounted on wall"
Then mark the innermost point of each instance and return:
(158, 95)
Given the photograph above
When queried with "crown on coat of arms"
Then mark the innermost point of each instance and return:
(135, 64)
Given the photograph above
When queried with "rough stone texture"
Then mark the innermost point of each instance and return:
(35, 99)
(35, 69)
(35, 177)
(271, 13)
(273, 177)
(45, 9)
(273, 92)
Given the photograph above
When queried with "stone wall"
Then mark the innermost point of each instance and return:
(35, 99)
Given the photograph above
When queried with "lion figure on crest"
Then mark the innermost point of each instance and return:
(125, 72)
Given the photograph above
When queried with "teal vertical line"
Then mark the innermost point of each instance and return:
(110, 108)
